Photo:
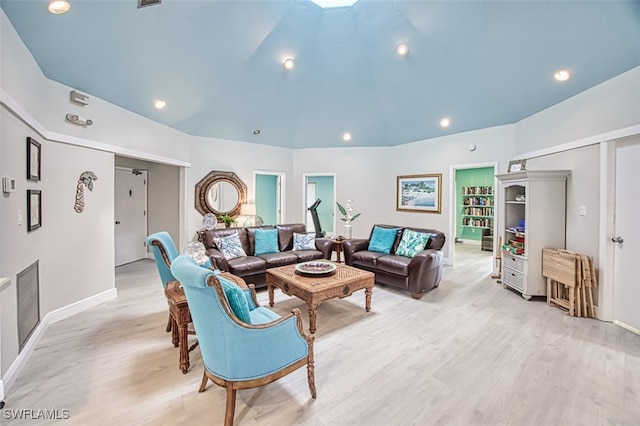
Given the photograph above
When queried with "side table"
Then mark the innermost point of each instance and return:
(337, 248)
(181, 316)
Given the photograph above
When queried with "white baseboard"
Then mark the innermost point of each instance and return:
(51, 318)
(627, 327)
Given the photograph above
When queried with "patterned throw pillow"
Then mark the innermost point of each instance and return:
(382, 239)
(230, 246)
(412, 242)
(304, 241)
(266, 241)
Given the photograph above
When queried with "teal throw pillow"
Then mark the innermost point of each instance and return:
(236, 299)
(266, 241)
(412, 242)
(230, 246)
(304, 241)
(382, 239)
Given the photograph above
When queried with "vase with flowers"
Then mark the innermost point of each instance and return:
(348, 217)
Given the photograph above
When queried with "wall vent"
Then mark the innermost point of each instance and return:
(145, 3)
(28, 288)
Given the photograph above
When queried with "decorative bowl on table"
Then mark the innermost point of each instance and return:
(315, 268)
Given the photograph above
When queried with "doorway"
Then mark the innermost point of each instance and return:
(321, 187)
(472, 216)
(130, 228)
(269, 197)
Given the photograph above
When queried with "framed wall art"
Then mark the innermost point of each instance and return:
(517, 165)
(419, 193)
(33, 159)
(34, 209)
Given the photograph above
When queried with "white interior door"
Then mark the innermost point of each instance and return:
(130, 215)
(626, 291)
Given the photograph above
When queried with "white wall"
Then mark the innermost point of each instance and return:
(612, 105)
(75, 251)
(242, 158)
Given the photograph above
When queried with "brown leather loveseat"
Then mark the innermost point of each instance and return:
(416, 274)
(252, 268)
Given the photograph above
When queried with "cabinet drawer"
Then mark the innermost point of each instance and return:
(514, 263)
(513, 278)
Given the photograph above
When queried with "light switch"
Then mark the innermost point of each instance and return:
(583, 210)
(19, 217)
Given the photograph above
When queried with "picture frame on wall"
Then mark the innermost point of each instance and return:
(419, 193)
(34, 209)
(517, 166)
(34, 156)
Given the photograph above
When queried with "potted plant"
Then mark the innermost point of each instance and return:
(347, 212)
(227, 220)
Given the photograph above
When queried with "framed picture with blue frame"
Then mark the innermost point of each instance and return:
(419, 193)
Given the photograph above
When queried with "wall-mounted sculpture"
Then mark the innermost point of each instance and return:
(86, 179)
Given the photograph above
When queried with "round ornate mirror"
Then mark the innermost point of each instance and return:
(220, 193)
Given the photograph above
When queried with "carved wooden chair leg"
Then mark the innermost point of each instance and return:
(203, 385)
(168, 329)
(231, 405)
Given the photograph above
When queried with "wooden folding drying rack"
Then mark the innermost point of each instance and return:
(571, 278)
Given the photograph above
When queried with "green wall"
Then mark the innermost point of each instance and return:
(324, 191)
(266, 198)
(466, 178)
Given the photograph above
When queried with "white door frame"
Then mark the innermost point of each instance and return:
(452, 207)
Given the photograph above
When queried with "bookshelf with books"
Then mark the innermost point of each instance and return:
(477, 206)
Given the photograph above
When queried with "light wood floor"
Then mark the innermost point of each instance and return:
(468, 353)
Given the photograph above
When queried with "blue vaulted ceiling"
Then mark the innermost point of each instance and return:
(218, 64)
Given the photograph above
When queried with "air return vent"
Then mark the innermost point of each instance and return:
(144, 3)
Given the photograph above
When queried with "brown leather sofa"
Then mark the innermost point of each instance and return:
(253, 268)
(417, 275)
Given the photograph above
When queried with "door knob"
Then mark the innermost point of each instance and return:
(617, 240)
(117, 222)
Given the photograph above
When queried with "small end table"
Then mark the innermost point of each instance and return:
(337, 247)
(181, 315)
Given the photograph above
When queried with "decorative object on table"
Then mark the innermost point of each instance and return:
(34, 209)
(86, 179)
(196, 250)
(419, 193)
(315, 268)
(347, 212)
(33, 159)
(209, 221)
(517, 166)
(227, 220)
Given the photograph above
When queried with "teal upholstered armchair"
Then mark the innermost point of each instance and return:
(243, 345)
(164, 251)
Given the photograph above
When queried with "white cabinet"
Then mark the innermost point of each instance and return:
(532, 216)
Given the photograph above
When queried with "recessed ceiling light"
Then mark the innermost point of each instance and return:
(159, 104)
(288, 64)
(346, 137)
(445, 122)
(402, 49)
(562, 75)
(256, 132)
(58, 7)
